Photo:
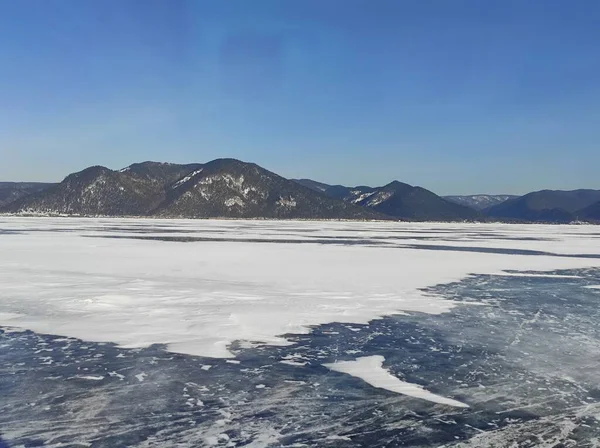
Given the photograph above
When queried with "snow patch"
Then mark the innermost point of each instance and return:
(294, 363)
(187, 178)
(117, 375)
(358, 197)
(370, 370)
(379, 198)
(289, 202)
(346, 438)
(87, 377)
(234, 201)
(229, 180)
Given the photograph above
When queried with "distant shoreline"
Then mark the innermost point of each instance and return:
(224, 218)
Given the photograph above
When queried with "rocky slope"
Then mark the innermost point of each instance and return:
(230, 188)
(136, 190)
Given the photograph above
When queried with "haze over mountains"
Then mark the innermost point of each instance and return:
(231, 188)
(550, 206)
(480, 201)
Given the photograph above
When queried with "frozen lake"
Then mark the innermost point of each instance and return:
(139, 332)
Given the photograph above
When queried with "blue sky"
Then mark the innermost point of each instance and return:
(457, 96)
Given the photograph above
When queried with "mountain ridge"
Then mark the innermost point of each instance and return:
(226, 188)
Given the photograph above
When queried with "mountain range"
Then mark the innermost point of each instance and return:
(231, 188)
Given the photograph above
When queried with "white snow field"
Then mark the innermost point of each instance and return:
(203, 284)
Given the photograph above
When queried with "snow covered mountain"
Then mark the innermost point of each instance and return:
(221, 188)
(480, 201)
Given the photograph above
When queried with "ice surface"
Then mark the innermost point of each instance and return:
(246, 280)
(533, 275)
(370, 369)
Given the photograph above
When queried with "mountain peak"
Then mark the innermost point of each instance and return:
(397, 185)
(146, 164)
(88, 173)
(225, 161)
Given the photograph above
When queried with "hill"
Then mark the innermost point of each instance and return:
(406, 201)
(221, 188)
(136, 190)
(230, 188)
(400, 200)
(13, 191)
(591, 213)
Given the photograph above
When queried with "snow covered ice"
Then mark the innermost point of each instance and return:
(283, 299)
(199, 298)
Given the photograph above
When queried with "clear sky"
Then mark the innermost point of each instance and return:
(458, 96)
